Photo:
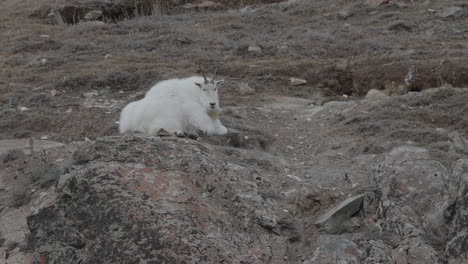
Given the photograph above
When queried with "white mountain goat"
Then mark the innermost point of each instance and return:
(176, 105)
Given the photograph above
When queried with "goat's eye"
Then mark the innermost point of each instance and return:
(204, 90)
(215, 89)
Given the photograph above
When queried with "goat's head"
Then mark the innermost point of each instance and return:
(209, 93)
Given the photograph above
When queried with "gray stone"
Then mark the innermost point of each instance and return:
(163, 133)
(457, 245)
(376, 3)
(336, 249)
(416, 251)
(458, 142)
(254, 49)
(170, 198)
(297, 81)
(452, 11)
(373, 93)
(93, 15)
(335, 217)
(401, 26)
(90, 94)
(244, 88)
(410, 177)
(266, 221)
(345, 13)
(23, 133)
(246, 10)
(12, 155)
(413, 187)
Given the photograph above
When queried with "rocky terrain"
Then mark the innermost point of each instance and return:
(347, 132)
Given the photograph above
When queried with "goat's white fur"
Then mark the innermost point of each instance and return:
(175, 105)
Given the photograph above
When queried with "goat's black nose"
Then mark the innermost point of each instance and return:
(212, 104)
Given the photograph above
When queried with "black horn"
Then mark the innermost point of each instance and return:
(203, 73)
(214, 76)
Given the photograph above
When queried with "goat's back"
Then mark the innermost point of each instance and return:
(183, 88)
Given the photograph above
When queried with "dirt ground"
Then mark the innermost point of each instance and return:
(68, 82)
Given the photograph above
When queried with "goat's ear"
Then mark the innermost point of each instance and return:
(217, 82)
(198, 84)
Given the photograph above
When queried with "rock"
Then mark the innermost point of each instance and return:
(376, 3)
(163, 133)
(334, 218)
(266, 221)
(410, 75)
(401, 26)
(296, 81)
(23, 133)
(43, 259)
(12, 155)
(53, 92)
(31, 258)
(345, 13)
(458, 142)
(163, 196)
(93, 15)
(336, 249)
(244, 88)
(246, 10)
(393, 88)
(90, 94)
(25, 145)
(411, 172)
(351, 10)
(457, 216)
(373, 93)
(283, 48)
(452, 12)
(53, 17)
(254, 49)
(413, 194)
(416, 251)
(44, 36)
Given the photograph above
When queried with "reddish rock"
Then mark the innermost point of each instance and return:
(159, 199)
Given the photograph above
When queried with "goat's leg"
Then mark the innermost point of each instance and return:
(200, 120)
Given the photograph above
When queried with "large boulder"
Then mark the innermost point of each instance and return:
(161, 200)
(457, 214)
